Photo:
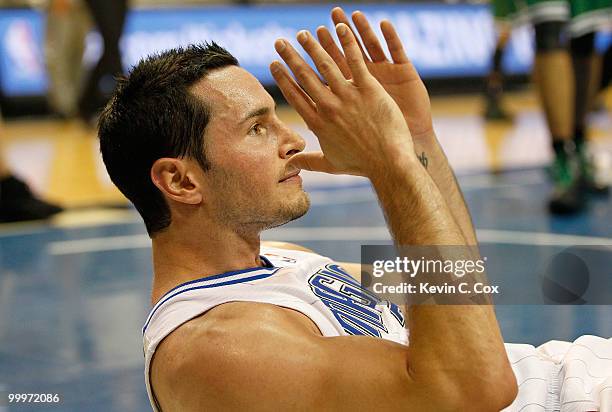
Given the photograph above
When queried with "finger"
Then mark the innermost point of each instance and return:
(304, 74)
(354, 58)
(295, 96)
(368, 37)
(325, 64)
(314, 161)
(330, 46)
(394, 44)
(338, 16)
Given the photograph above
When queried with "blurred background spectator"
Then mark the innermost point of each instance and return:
(68, 22)
(109, 17)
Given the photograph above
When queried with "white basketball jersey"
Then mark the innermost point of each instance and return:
(557, 376)
(306, 282)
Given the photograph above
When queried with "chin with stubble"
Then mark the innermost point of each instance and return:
(262, 214)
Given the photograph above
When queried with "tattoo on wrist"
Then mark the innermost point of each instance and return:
(423, 159)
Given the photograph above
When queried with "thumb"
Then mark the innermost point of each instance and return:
(315, 161)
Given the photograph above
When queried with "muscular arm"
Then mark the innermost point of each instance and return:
(459, 341)
(259, 357)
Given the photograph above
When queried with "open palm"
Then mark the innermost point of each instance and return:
(399, 77)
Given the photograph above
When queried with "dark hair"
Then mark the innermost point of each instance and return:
(151, 115)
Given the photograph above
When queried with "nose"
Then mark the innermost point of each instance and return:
(290, 142)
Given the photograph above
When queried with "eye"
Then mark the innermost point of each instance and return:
(256, 129)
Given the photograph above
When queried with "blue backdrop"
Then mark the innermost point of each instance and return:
(442, 40)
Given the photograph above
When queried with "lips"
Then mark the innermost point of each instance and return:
(290, 175)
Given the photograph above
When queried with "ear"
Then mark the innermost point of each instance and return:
(176, 180)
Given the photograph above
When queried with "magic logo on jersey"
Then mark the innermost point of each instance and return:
(358, 310)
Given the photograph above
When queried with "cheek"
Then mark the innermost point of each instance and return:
(252, 171)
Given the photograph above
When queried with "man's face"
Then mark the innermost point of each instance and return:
(248, 148)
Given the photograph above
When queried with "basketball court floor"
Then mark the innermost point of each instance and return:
(74, 293)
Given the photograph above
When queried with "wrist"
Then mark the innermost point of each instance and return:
(395, 164)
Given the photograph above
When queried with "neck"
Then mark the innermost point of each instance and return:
(181, 254)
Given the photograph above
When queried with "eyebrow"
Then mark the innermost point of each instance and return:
(262, 111)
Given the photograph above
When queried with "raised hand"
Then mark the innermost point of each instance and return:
(359, 126)
(399, 77)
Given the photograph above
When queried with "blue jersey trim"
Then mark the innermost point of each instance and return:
(207, 286)
(268, 265)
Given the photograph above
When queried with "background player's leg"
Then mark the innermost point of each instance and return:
(109, 17)
(68, 23)
(503, 11)
(555, 83)
(587, 78)
(554, 79)
(495, 81)
(587, 17)
(582, 49)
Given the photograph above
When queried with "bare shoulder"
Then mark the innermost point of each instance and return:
(224, 356)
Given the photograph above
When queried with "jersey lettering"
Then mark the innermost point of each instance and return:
(355, 308)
